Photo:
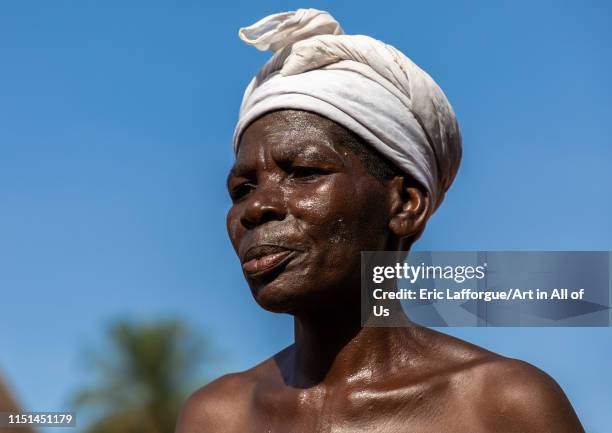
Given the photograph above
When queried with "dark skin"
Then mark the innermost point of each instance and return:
(303, 210)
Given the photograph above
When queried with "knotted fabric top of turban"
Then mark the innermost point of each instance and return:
(361, 83)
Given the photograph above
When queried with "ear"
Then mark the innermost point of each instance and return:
(410, 205)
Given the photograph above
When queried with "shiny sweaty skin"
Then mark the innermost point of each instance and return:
(304, 206)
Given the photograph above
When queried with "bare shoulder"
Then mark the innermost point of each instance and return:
(214, 405)
(518, 397)
(222, 405)
(507, 395)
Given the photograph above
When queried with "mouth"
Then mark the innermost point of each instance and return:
(261, 261)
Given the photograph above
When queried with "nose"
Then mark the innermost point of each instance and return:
(265, 204)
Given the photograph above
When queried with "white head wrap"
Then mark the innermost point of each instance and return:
(361, 83)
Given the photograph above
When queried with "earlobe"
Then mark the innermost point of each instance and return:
(409, 208)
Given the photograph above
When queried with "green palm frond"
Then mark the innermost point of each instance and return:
(143, 377)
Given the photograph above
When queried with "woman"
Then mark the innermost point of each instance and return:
(344, 145)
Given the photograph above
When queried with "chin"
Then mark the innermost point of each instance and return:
(276, 302)
(281, 297)
(286, 297)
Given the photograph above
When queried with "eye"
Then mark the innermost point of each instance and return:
(240, 191)
(306, 173)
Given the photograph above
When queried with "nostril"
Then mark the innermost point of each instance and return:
(270, 215)
(247, 223)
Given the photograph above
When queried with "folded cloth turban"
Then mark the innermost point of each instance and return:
(361, 83)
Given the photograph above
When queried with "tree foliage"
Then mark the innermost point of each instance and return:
(143, 377)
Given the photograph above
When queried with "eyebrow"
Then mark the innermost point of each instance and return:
(305, 150)
(310, 149)
(239, 170)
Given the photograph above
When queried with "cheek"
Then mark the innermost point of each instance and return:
(234, 227)
(342, 209)
(313, 204)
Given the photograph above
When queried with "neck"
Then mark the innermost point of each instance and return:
(332, 346)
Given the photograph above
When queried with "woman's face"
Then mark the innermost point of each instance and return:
(303, 210)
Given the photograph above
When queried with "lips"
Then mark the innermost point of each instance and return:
(263, 260)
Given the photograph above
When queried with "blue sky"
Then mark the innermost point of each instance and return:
(115, 129)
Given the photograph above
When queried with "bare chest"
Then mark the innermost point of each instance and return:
(432, 408)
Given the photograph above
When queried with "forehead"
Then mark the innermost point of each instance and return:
(290, 133)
